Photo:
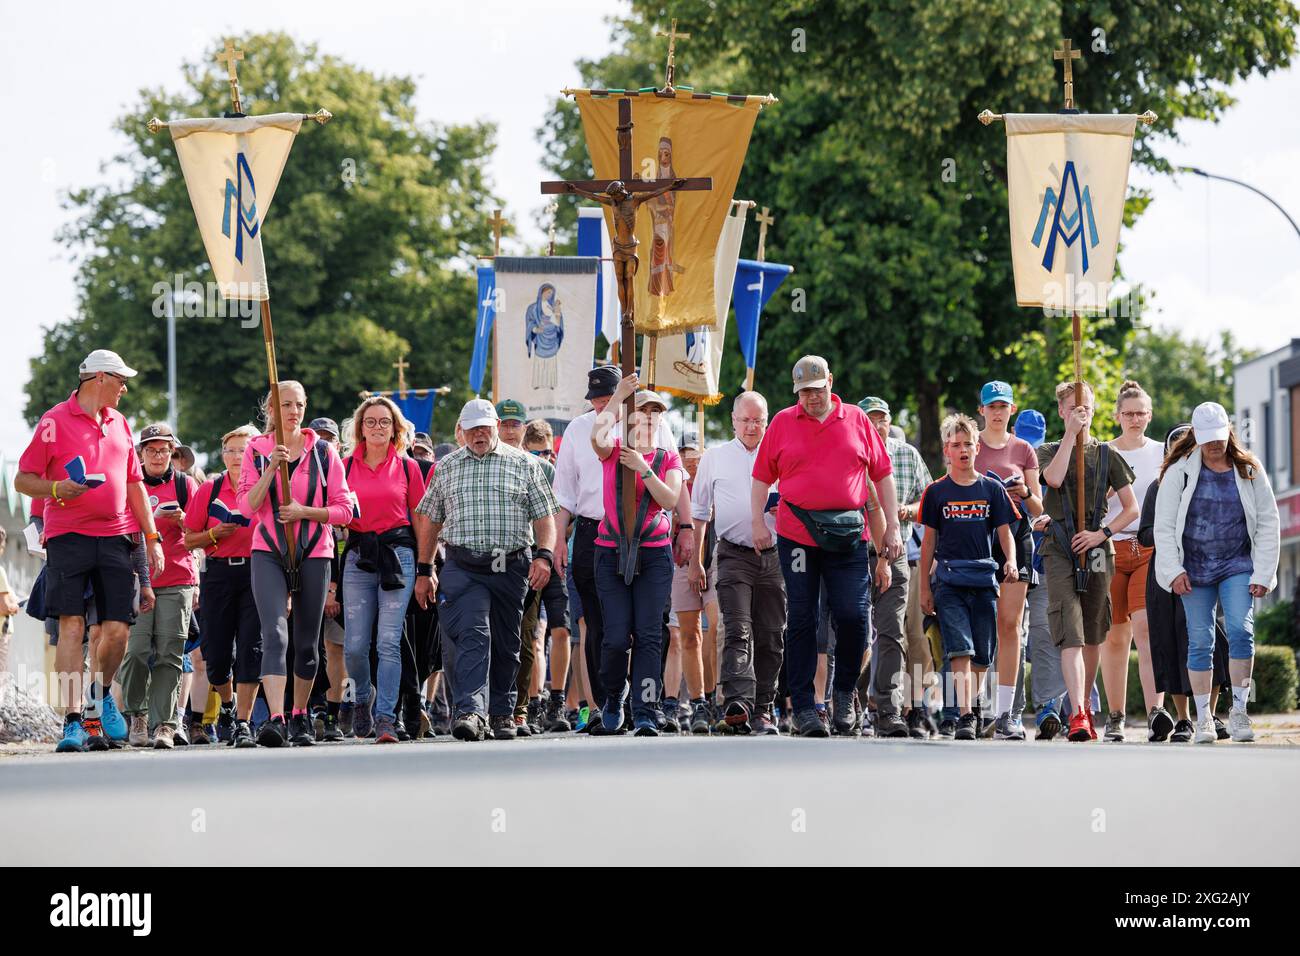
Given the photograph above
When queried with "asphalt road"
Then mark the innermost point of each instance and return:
(585, 801)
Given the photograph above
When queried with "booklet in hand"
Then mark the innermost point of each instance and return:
(76, 470)
(225, 515)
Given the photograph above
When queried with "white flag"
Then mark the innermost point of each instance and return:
(1067, 176)
(688, 364)
(231, 169)
(545, 332)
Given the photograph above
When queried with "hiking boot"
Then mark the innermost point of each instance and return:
(522, 727)
(1183, 731)
(842, 725)
(1080, 728)
(318, 724)
(273, 733)
(96, 739)
(555, 721)
(784, 723)
(164, 738)
(736, 716)
(891, 726)
(503, 727)
(330, 731)
(1004, 728)
(469, 727)
(920, 725)
(197, 730)
(241, 735)
(672, 721)
(1115, 727)
(225, 726)
(701, 719)
(763, 725)
(346, 714)
(1206, 732)
(1220, 730)
(385, 731)
(1238, 725)
(301, 732)
(968, 726)
(536, 715)
(138, 735)
(363, 720)
(1049, 722)
(809, 723)
(1159, 725)
(948, 728)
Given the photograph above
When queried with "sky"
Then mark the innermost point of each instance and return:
(1214, 255)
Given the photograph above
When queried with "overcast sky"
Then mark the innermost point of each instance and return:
(1214, 255)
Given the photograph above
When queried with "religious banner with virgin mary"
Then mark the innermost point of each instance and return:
(546, 315)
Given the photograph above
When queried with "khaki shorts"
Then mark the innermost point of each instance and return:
(685, 597)
(1076, 619)
(1128, 588)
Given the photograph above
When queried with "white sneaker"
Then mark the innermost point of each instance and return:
(1205, 732)
(1239, 725)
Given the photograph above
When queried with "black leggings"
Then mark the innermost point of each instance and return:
(270, 591)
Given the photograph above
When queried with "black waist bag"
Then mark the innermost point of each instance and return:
(839, 531)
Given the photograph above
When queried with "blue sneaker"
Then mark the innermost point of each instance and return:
(114, 723)
(1049, 722)
(645, 727)
(74, 738)
(611, 717)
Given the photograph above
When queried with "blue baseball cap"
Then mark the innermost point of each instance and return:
(996, 392)
(1031, 426)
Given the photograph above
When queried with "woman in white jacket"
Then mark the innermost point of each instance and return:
(1217, 543)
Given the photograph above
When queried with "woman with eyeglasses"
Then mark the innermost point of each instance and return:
(379, 561)
(228, 623)
(1128, 586)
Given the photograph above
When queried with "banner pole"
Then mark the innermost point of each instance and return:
(268, 336)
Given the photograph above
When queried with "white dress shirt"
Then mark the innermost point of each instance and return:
(580, 475)
(722, 485)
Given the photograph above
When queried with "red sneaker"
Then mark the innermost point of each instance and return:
(1080, 728)
(1092, 727)
(96, 739)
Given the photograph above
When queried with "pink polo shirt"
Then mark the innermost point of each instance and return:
(387, 493)
(820, 465)
(104, 443)
(338, 500)
(239, 544)
(179, 567)
(656, 519)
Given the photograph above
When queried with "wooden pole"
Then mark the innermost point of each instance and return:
(699, 425)
(1080, 438)
(650, 370)
(627, 356)
(749, 379)
(268, 336)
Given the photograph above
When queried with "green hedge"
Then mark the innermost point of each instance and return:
(1276, 624)
(1275, 674)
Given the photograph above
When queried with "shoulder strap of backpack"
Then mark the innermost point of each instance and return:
(1103, 482)
(216, 487)
(182, 486)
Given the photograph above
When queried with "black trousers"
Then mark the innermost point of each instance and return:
(583, 560)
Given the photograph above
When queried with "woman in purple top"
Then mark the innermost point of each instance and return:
(634, 579)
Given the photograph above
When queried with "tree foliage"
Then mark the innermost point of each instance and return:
(375, 220)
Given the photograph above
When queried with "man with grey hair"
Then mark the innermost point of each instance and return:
(751, 590)
(494, 510)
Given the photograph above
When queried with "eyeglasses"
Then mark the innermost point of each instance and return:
(232, 451)
(543, 453)
(1134, 414)
(376, 422)
(159, 452)
(751, 421)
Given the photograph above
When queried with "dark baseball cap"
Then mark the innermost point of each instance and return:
(509, 410)
(319, 425)
(422, 439)
(159, 431)
(602, 381)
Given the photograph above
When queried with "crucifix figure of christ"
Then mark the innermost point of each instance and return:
(625, 195)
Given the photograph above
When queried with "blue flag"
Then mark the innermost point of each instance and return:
(755, 283)
(486, 314)
(418, 410)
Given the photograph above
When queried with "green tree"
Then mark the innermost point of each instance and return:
(890, 198)
(1180, 372)
(375, 220)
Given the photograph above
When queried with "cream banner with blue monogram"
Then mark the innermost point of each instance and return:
(1067, 176)
(231, 169)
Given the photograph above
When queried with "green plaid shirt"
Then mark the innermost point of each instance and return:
(910, 477)
(488, 503)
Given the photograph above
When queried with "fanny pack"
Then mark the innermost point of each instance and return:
(968, 572)
(839, 531)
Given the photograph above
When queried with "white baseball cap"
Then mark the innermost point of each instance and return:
(1210, 422)
(477, 411)
(104, 360)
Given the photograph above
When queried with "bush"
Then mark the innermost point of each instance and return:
(1276, 624)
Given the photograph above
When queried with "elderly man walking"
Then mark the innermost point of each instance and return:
(492, 506)
(751, 591)
(823, 453)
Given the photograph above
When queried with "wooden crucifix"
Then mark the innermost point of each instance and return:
(625, 196)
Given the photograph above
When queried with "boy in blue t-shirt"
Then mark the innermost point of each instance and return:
(961, 513)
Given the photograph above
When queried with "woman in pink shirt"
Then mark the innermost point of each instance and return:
(319, 496)
(379, 563)
(633, 583)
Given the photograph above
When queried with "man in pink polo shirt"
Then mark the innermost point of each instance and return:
(83, 460)
(823, 453)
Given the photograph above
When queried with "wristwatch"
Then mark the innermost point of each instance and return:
(1107, 532)
(686, 527)
(545, 555)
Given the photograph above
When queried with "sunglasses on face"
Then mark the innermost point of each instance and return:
(544, 453)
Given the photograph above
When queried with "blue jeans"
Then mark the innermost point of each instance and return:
(363, 600)
(1238, 620)
(848, 593)
(634, 618)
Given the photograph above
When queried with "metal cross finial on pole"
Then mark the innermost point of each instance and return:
(1067, 54)
(672, 36)
(764, 219)
(230, 56)
(401, 365)
(497, 222)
